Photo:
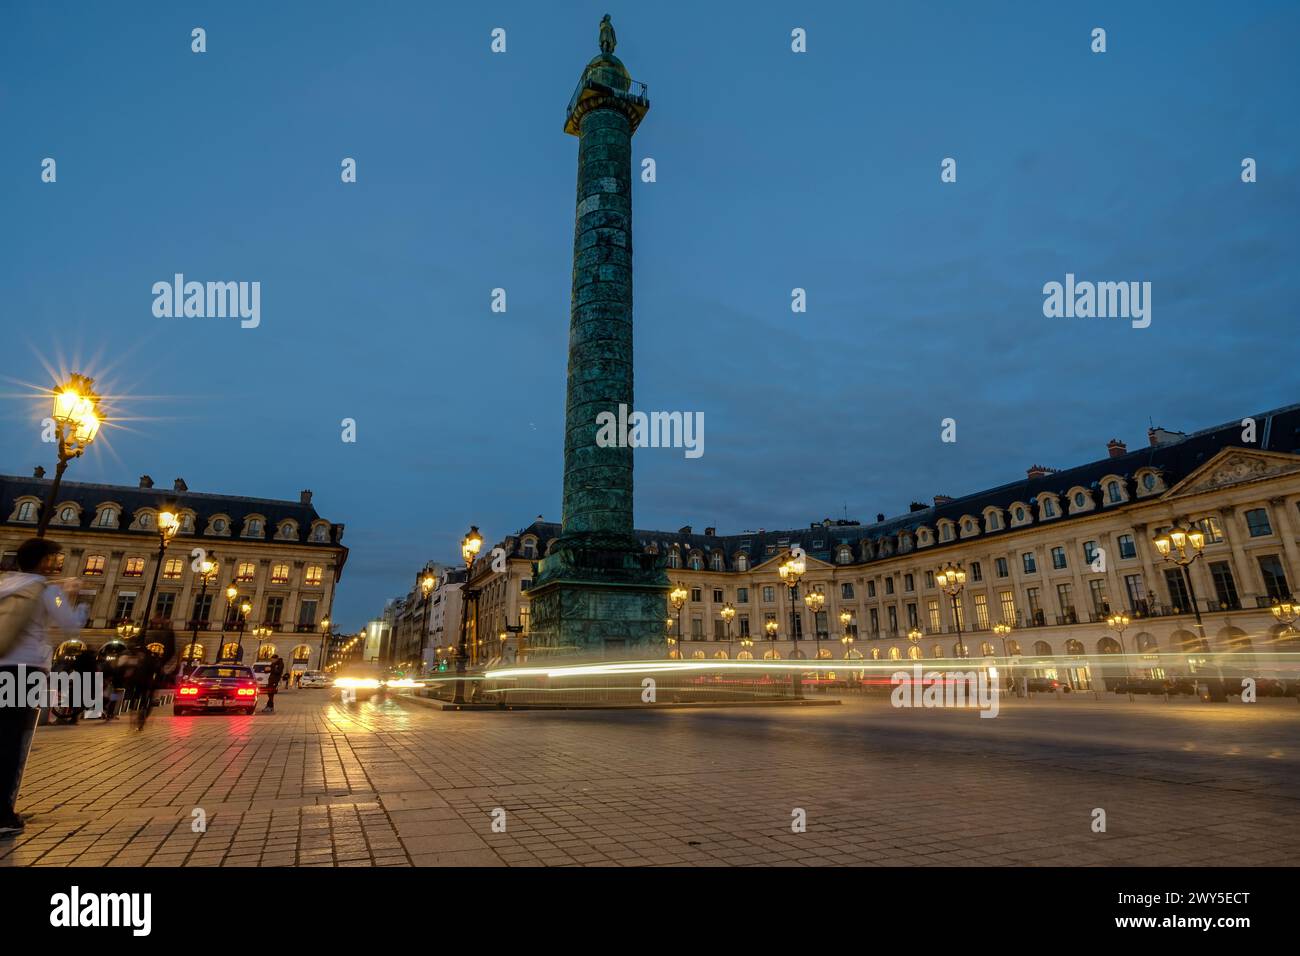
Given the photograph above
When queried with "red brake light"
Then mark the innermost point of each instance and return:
(189, 690)
(247, 691)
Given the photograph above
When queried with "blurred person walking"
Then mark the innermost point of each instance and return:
(273, 681)
(30, 604)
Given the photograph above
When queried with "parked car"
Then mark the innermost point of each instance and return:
(262, 672)
(314, 679)
(224, 687)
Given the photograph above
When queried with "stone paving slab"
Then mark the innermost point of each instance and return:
(396, 783)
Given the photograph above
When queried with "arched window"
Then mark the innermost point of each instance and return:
(266, 652)
(1073, 647)
(771, 654)
(986, 649)
(1042, 649)
(231, 652)
(936, 651)
(301, 654)
(1147, 643)
(193, 653)
(824, 654)
(914, 652)
(674, 558)
(895, 654)
(697, 563)
(1108, 645)
(715, 561)
(1114, 493)
(1013, 648)
(844, 555)
(742, 562)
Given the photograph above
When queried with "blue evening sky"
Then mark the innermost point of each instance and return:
(775, 170)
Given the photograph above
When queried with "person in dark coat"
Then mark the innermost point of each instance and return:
(84, 663)
(273, 681)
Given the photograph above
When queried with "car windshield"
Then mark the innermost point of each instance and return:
(217, 673)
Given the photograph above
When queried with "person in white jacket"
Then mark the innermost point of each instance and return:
(31, 605)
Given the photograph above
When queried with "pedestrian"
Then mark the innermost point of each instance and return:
(30, 604)
(85, 663)
(156, 653)
(272, 681)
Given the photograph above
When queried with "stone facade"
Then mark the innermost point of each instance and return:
(1030, 551)
(285, 559)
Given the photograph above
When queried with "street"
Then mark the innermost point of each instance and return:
(397, 782)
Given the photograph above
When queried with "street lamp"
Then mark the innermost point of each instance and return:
(127, 630)
(815, 601)
(244, 610)
(1003, 630)
(771, 627)
(168, 525)
(206, 571)
(324, 641)
(728, 612)
(470, 546)
(427, 584)
(668, 636)
(1181, 545)
(952, 580)
(846, 618)
(76, 423)
(1284, 612)
(1117, 623)
(791, 572)
(677, 597)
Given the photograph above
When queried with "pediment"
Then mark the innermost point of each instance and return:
(1235, 466)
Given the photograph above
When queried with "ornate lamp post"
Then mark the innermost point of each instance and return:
(1002, 629)
(1118, 623)
(668, 636)
(427, 584)
(728, 612)
(324, 642)
(126, 630)
(1182, 545)
(914, 635)
(76, 423)
(771, 627)
(846, 618)
(244, 610)
(206, 571)
(677, 597)
(168, 525)
(470, 546)
(952, 580)
(746, 642)
(1284, 612)
(815, 601)
(791, 572)
(262, 633)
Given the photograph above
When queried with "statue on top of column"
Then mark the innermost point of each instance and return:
(608, 39)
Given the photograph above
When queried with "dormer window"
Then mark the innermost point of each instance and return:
(742, 562)
(68, 514)
(1080, 499)
(945, 532)
(530, 548)
(1049, 508)
(715, 561)
(219, 525)
(254, 526)
(1149, 481)
(320, 533)
(107, 518)
(844, 555)
(26, 511)
(1114, 493)
(674, 559)
(697, 563)
(289, 531)
(1020, 514)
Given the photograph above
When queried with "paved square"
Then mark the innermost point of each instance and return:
(398, 783)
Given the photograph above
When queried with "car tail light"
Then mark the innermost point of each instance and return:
(189, 690)
(248, 692)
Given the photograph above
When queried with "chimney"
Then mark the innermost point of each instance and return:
(941, 500)
(879, 517)
(146, 481)
(38, 472)
(710, 532)
(179, 485)
(304, 497)
(1038, 471)
(917, 506)
(684, 529)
